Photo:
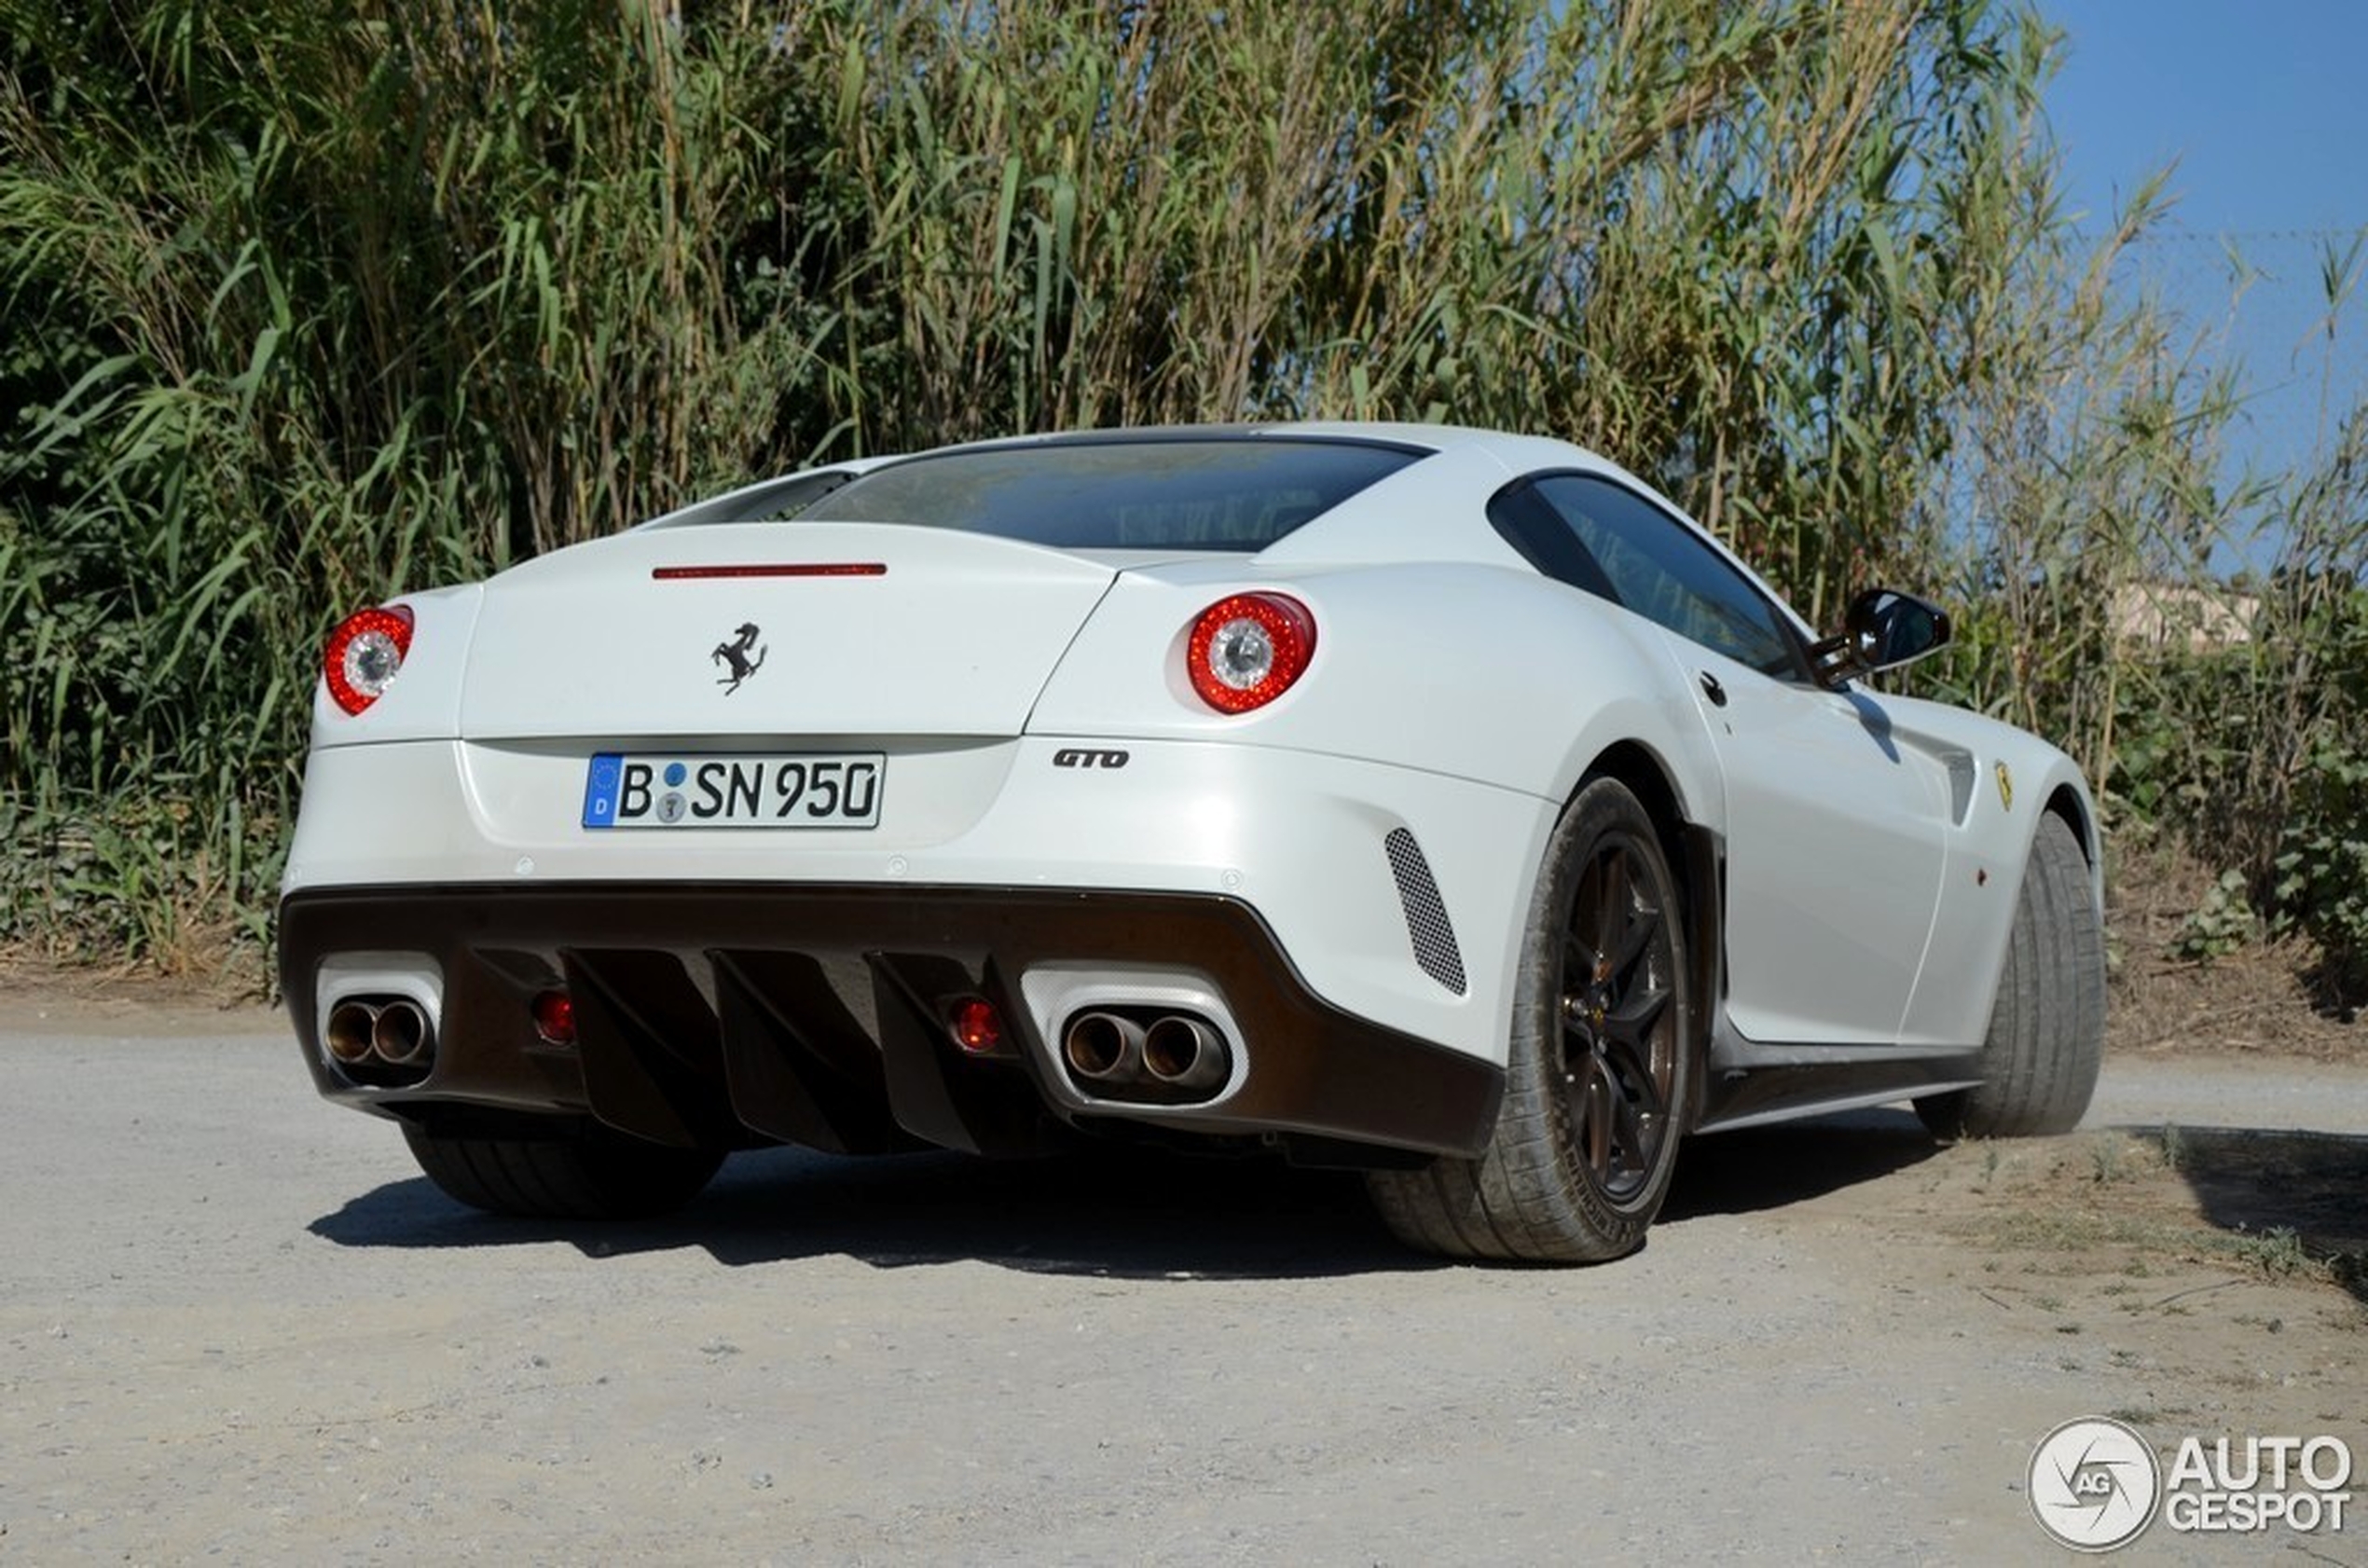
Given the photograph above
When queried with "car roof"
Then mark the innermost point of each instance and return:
(1519, 451)
(1479, 451)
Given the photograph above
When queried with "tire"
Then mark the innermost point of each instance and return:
(2047, 1028)
(1600, 1066)
(592, 1175)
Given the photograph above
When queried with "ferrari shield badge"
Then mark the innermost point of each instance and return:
(2006, 788)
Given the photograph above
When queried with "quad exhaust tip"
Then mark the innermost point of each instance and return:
(1183, 1052)
(1104, 1048)
(1150, 1056)
(350, 1025)
(401, 1033)
(370, 1035)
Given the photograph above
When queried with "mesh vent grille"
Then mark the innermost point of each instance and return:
(1427, 925)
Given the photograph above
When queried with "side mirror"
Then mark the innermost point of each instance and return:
(1883, 629)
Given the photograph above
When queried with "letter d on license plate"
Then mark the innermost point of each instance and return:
(629, 789)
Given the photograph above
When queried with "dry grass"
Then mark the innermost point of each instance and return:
(2245, 1208)
(2259, 999)
(300, 313)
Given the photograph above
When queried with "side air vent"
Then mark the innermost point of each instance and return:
(1427, 925)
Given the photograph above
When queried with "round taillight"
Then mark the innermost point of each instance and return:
(554, 1018)
(978, 1029)
(363, 654)
(1247, 650)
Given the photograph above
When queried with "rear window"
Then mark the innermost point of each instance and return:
(1198, 493)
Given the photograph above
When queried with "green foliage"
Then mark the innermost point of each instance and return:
(2323, 870)
(2277, 1252)
(301, 312)
(305, 307)
(2254, 753)
(2222, 924)
(2320, 875)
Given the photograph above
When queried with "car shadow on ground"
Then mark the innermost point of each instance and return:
(1769, 1167)
(1114, 1212)
(2303, 1188)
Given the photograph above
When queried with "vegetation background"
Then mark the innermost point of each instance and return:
(302, 307)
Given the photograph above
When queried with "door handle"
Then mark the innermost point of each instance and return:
(1713, 690)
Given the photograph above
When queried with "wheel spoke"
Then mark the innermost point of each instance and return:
(1630, 1064)
(1618, 891)
(1595, 1130)
(1612, 1128)
(1612, 918)
(1578, 958)
(1629, 1156)
(1633, 1019)
(1590, 927)
(1641, 925)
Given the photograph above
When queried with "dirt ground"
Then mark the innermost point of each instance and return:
(2264, 999)
(235, 1325)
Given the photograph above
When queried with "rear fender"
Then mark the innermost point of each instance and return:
(1415, 666)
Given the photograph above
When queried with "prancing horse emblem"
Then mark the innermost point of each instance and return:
(735, 653)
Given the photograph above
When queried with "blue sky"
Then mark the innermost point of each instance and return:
(2263, 106)
(2259, 100)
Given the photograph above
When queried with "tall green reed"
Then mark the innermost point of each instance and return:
(305, 310)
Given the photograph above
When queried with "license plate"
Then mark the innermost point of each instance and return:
(625, 790)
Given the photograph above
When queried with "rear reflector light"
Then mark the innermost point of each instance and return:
(780, 569)
(1247, 650)
(555, 1018)
(363, 654)
(978, 1029)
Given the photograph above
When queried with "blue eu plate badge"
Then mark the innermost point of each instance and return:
(601, 782)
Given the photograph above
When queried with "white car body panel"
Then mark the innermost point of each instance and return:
(1397, 688)
(2011, 779)
(1818, 793)
(955, 637)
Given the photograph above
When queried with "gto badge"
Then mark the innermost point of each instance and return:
(2006, 788)
(734, 655)
(1078, 756)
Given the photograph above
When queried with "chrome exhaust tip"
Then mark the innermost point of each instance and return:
(1104, 1048)
(1184, 1053)
(401, 1033)
(349, 1035)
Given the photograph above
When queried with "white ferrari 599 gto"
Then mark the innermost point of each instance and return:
(1426, 800)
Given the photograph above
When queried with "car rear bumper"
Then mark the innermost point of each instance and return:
(1399, 894)
(724, 1013)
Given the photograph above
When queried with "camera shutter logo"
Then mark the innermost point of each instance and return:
(2093, 1484)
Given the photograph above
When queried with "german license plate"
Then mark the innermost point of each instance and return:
(631, 789)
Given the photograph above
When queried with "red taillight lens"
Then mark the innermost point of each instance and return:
(978, 1029)
(555, 1018)
(1247, 650)
(363, 654)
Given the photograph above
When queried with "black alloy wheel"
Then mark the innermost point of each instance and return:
(1620, 1044)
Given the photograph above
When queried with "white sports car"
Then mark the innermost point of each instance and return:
(1427, 800)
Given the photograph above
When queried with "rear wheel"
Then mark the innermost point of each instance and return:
(593, 1173)
(2047, 1028)
(1600, 1066)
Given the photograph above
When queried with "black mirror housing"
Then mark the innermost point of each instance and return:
(1883, 629)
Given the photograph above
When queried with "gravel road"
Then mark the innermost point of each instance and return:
(238, 1326)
